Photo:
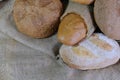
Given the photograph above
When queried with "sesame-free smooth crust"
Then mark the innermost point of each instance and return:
(107, 17)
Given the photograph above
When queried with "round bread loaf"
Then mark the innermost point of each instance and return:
(83, 1)
(107, 17)
(72, 29)
(96, 52)
(76, 24)
(37, 18)
(84, 12)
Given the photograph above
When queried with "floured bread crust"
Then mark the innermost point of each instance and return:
(37, 18)
(96, 52)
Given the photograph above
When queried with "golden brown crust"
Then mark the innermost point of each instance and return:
(72, 29)
(83, 1)
(37, 18)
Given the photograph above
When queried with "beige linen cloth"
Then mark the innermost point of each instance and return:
(25, 58)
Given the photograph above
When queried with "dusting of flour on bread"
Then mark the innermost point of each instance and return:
(91, 55)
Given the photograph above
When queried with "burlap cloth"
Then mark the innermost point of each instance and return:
(25, 58)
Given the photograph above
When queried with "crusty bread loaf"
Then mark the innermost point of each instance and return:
(84, 12)
(82, 19)
(96, 52)
(107, 17)
(72, 29)
(37, 18)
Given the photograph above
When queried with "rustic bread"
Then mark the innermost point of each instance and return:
(107, 17)
(37, 18)
(96, 52)
(72, 29)
(81, 19)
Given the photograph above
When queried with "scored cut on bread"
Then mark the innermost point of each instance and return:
(96, 52)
